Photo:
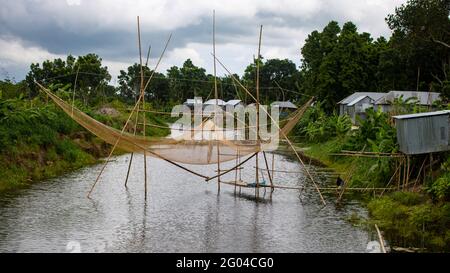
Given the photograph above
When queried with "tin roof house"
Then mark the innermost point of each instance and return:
(285, 107)
(234, 103)
(191, 102)
(219, 102)
(423, 132)
(423, 98)
(357, 103)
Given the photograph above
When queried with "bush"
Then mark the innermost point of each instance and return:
(440, 189)
(318, 127)
(374, 134)
(408, 220)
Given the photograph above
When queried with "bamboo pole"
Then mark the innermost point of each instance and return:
(132, 154)
(380, 238)
(257, 111)
(148, 55)
(240, 173)
(236, 172)
(347, 178)
(273, 163)
(364, 155)
(391, 179)
(128, 170)
(74, 88)
(369, 153)
(268, 172)
(420, 171)
(431, 166)
(217, 97)
(143, 104)
(407, 170)
(229, 170)
(303, 187)
(315, 172)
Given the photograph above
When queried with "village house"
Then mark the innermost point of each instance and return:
(421, 98)
(423, 132)
(357, 103)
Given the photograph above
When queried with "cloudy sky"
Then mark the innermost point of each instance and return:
(35, 30)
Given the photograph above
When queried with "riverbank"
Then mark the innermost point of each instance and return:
(38, 141)
(408, 219)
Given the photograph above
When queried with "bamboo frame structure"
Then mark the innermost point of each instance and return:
(282, 133)
(140, 107)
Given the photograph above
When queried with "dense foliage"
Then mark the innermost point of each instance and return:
(339, 61)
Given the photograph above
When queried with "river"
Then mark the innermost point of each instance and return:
(183, 213)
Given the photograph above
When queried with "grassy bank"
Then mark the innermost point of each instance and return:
(413, 219)
(39, 141)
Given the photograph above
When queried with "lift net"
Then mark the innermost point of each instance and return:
(198, 152)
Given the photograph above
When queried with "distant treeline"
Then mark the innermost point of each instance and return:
(336, 62)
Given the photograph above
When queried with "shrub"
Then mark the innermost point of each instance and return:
(317, 126)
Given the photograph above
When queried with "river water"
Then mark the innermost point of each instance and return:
(183, 213)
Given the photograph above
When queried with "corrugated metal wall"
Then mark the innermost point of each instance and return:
(423, 135)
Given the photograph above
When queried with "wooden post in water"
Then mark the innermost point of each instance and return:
(257, 112)
(143, 106)
(216, 95)
(268, 174)
(132, 154)
(236, 173)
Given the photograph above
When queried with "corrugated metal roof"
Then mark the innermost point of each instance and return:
(358, 99)
(372, 95)
(233, 102)
(213, 102)
(420, 115)
(284, 104)
(193, 101)
(424, 98)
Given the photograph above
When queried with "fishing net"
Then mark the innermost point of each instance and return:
(195, 151)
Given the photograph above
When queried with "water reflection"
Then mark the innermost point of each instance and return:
(182, 214)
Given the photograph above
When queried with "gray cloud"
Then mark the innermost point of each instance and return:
(46, 29)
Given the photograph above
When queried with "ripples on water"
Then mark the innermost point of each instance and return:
(183, 214)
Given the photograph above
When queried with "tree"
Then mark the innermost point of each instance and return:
(337, 62)
(94, 76)
(421, 37)
(130, 81)
(189, 81)
(275, 76)
(91, 78)
(56, 71)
